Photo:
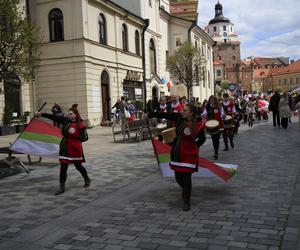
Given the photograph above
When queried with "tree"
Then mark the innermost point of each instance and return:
(187, 65)
(18, 56)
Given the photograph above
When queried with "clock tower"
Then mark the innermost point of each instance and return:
(227, 45)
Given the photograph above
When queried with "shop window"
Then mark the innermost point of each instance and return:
(102, 29)
(56, 25)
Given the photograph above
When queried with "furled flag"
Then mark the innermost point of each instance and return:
(38, 138)
(206, 168)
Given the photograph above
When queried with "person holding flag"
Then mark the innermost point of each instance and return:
(185, 148)
(70, 148)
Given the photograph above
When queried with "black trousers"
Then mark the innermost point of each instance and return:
(227, 133)
(216, 142)
(284, 122)
(184, 180)
(64, 171)
(276, 118)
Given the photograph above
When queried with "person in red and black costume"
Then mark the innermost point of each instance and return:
(228, 108)
(190, 136)
(70, 148)
(213, 112)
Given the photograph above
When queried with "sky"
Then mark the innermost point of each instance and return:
(266, 28)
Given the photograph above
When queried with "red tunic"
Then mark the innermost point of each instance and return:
(71, 146)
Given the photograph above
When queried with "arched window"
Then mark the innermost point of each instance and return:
(102, 29)
(152, 57)
(137, 43)
(125, 37)
(56, 25)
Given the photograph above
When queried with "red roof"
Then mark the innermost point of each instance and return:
(218, 62)
(292, 68)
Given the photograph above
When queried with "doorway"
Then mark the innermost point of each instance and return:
(12, 95)
(105, 96)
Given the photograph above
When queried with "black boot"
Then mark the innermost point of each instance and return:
(231, 143)
(87, 182)
(215, 156)
(61, 189)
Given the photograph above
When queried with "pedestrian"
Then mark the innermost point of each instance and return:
(213, 112)
(297, 108)
(70, 149)
(123, 108)
(132, 110)
(250, 110)
(285, 111)
(190, 136)
(116, 111)
(273, 106)
(228, 112)
(56, 111)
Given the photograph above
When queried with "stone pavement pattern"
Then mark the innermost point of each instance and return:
(130, 206)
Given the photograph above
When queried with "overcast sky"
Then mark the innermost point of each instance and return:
(266, 28)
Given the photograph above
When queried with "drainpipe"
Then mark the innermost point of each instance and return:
(146, 25)
(190, 91)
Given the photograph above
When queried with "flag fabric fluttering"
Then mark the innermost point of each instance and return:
(39, 138)
(206, 168)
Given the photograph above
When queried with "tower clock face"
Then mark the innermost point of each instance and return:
(225, 34)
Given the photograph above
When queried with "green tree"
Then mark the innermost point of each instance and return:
(187, 65)
(18, 56)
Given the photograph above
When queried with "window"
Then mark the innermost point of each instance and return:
(204, 78)
(284, 81)
(208, 79)
(56, 25)
(167, 54)
(125, 37)
(224, 28)
(219, 72)
(150, 3)
(297, 80)
(291, 80)
(215, 28)
(233, 58)
(233, 47)
(279, 82)
(196, 44)
(102, 29)
(137, 43)
(220, 57)
(152, 57)
(178, 41)
(197, 75)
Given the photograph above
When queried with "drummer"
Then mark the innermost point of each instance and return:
(228, 109)
(213, 112)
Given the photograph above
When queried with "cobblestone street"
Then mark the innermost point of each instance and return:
(130, 206)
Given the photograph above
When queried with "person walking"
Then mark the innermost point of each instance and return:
(123, 107)
(70, 148)
(190, 136)
(57, 111)
(273, 106)
(228, 110)
(285, 111)
(213, 112)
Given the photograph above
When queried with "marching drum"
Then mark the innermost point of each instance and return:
(161, 126)
(169, 134)
(228, 121)
(212, 127)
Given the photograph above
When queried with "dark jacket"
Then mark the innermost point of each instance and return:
(274, 102)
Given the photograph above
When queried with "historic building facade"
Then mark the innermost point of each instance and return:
(94, 51)
(91, 53)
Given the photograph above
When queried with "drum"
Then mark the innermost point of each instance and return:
(228, 121)
(212, 127)
(161, 126)
(169, 134)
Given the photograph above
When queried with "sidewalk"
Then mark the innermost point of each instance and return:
(130, 206)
